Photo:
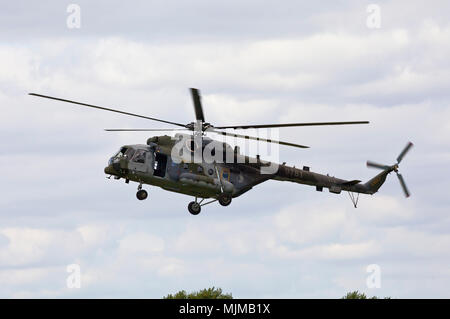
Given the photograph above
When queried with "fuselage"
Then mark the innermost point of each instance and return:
(156, 164)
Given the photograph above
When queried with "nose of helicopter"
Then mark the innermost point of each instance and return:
(109, 170)
(112, 169)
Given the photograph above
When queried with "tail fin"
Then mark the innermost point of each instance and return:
(375, 183)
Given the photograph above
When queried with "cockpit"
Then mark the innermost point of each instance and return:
(125, 152)
(129, 153)
(137, 159)
(134, 157)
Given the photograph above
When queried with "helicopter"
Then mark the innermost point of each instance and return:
(210, 170)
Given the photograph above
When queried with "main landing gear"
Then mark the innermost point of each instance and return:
(196, 206)
(141, 193)
(224, 199)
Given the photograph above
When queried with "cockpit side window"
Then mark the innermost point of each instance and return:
(129, 153)
(139, 156)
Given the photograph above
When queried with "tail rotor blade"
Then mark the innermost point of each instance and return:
(197, 105)
(405, 150)
(403, 184)
(376, 165)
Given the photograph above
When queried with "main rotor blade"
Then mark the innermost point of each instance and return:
(376, 165)
(106, 109)
(197, 105)
(256, 138)
(403, 184)
(145, 129)
(405, 150)
(289, 125)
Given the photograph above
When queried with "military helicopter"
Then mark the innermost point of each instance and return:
(178, 164)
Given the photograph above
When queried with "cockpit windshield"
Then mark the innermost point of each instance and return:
(123, 153)
(126, 152)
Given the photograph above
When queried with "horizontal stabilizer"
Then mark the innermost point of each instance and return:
(351, 183)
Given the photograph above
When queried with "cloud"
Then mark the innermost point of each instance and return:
(28, 246)
(141, 243)
(254, 63)
(342, 251)
(299, 224)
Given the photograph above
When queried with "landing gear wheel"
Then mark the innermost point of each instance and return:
(141, 194)
(194, 208)
(224, 199)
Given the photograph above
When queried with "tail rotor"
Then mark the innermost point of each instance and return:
(395, 167)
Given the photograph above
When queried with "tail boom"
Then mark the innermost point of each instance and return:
(336, 185)
(320, 181)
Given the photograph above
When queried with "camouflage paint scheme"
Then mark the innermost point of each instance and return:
(236, 178)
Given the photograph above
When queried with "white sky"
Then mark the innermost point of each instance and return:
(277, 62)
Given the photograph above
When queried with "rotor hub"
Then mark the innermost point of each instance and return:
(205, 126)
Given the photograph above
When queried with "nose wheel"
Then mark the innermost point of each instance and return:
(141, 194)
(194, 208)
